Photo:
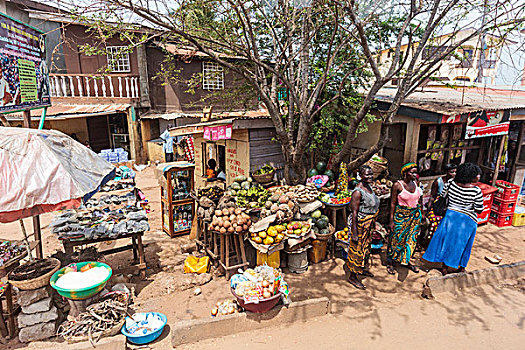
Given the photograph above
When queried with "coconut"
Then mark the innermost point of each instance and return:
(222, 230)
(218, 212)
(231, 210)
(225, 212)
(274, 208)
(290, 204)
(226, 224)
(238, 211)
(283, 199)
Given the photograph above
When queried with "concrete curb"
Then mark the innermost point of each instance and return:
(190, 331)
(117, 342)
(453, 282)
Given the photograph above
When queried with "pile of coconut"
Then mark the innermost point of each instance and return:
(281, 203)
(230, 220)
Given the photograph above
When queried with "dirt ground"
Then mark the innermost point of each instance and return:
(161, 291)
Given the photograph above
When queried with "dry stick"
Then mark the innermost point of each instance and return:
(26, 240)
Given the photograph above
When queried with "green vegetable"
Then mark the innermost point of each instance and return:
(324, 231)
(266, 169)
(321, 224)
(312, 172)
(321, 166)
(324, 217)
(316, 214)
(315, 229)
(330, 174)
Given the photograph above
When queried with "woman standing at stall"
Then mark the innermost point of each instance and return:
(453, 239)
(436, 191)
(405, 219)
(361, 223)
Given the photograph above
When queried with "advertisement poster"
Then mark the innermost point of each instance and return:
(24, 76)
(216, 133)
(487, 123)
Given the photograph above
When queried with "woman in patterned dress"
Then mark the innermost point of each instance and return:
(361, 223)
(405, 219)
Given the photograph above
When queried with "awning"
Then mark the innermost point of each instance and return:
(169, 115)
(62, 111)
(197, 128)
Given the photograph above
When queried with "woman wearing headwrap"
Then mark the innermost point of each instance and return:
(361, 223)
(405, 219)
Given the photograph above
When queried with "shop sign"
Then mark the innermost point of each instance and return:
(487, 123)
(24, 76)
(216, 133)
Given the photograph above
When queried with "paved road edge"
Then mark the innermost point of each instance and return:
(190, 331)
(455, 281)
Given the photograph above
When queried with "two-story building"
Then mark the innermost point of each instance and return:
(128, 96)
(463, 65)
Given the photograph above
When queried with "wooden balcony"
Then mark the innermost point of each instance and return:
(110, 86)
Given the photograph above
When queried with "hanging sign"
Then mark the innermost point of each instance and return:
(24, 76)
(216, 133)
(487, 123)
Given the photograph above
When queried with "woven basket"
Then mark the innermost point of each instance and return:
(264, 178)
(377, 167)
(38, 282)
(327, 236)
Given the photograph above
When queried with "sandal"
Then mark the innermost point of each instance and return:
(357, 284)
(390, 269)
(413, 268)
(367, 273)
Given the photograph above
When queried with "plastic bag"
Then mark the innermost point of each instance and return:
(193, 264)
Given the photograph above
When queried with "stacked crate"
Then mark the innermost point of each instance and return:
(504, 203)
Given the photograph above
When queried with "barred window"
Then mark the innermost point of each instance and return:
(212, 76)
(118, 59)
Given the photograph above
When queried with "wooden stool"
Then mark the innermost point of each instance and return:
(332, 216)
(232, 253)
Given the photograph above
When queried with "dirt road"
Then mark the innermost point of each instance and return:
(488, 318)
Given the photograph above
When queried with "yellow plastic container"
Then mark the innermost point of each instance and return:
(518, 219)
(273, 260)
(193, 264)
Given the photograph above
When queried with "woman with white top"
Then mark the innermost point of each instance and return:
(453, 239)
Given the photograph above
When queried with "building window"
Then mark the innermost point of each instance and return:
(212, 76)
(118, 59)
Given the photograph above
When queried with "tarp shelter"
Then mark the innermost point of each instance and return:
(45, 170)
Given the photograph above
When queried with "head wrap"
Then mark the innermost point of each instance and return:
(407, 167)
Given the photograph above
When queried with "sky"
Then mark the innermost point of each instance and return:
(512, 60)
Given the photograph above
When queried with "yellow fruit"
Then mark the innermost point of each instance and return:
(279, 237)
(268, 240)
(280, 228)
(272, 231)
(262, 234)
(257, 240)
(346, 229)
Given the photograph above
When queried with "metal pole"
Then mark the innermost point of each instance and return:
(42, 118)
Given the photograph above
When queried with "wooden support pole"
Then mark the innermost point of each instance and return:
(27, 119)
(518, 152)
(498, 159)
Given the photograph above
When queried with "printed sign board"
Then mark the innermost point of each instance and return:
(216, 133)
(487, 123)
(24, 76)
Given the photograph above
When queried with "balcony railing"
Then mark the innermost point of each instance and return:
(94, 85)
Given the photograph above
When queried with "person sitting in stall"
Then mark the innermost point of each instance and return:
(211, 172)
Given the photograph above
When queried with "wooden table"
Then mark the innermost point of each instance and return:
(332, 216)
(136, 246)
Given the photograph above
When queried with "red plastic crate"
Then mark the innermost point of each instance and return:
(500, 220)
(503, 207)
(506, 191)
(483, 217)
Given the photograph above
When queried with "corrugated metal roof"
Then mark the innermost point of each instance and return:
(68, 111)
(258, 114)
(449, 101)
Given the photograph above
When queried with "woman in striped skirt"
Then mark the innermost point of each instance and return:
(452, 242)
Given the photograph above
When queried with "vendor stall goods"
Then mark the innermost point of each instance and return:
(226, 307)
(104, 318)
(230, 220)
(106, 200)
(88, 276)
(10, 250)
(247, 193)
(99, 223)
(256, 285)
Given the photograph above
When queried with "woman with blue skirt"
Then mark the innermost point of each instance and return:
(452, 242)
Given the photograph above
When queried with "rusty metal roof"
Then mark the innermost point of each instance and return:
(67, 111)
(453, 101)
(257, 114)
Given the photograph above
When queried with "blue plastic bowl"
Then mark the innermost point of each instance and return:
(145, 338)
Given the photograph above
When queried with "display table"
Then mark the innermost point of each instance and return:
(136, 246)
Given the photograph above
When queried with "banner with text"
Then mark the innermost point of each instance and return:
(216, 133)
(487, 123)
(24, 76)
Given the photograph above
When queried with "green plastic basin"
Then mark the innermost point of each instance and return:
(83, 293)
